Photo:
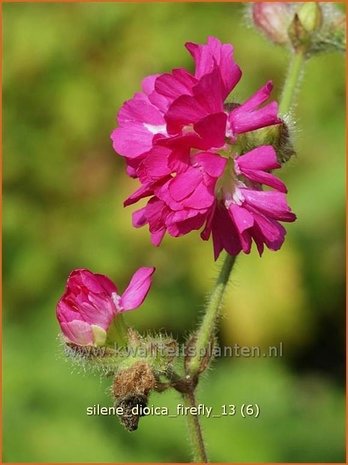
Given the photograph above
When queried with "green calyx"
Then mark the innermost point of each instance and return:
(117, 333)
(124, 348)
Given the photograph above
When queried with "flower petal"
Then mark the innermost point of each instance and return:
(137, 289)
(248, 116)
(252, 120)
(139, 218)
(154, 166)
(267, 179)
(139, 110)
(132, 140)
(179, 228)
(268, 231)
(78, 332)
(261, 158)
(171, 86)
(106, 283)
(184, 184)
(143, 191)
(243, 221)
(212, 129)
(157, 236)
(212, 163)
(207, 56)
(272, 203)
(224, 234)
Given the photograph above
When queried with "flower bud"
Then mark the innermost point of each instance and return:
(273, 20)
(317, 28)
(89, 311)
(278, 135)
(299, 37)
(310, 16)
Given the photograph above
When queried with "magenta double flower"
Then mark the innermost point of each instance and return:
(182, 142)
(91, 303)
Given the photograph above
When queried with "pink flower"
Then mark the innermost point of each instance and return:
(182, 142)
(91, 302)
(183, 106)
(224, 195)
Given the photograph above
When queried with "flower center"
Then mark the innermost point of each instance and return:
(117, 301)
(227, 182)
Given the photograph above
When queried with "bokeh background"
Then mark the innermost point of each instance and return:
(67, 68)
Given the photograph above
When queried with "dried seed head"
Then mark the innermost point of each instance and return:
(131, 389)
(129, 405)
(138, 380)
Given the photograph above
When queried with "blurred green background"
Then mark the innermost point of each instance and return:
(67, 68)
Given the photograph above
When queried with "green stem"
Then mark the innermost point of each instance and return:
(194, 429)
(207, 328)
(290, 85)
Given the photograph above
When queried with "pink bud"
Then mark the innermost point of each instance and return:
(91, 301)
(273, 19)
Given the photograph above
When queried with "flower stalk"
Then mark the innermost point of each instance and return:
(195, 431)
(291, 81)
(203, 338)
(208, 325)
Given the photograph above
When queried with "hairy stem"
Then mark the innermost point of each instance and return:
(291, 82)
(194, 429)
(212, 311)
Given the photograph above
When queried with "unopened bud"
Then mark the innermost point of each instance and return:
(310, 16)
(273, 19)
(317, 28)
(299, 36)
(277, 135)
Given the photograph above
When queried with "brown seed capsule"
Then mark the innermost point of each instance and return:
(138, 379)
(129, 405)
(131, 389)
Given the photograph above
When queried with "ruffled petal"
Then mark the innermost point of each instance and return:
(224, 234)
(132, 140)
(243, 221)
(249, 117)
(268, 231)
(212, 54)
(271, 203)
